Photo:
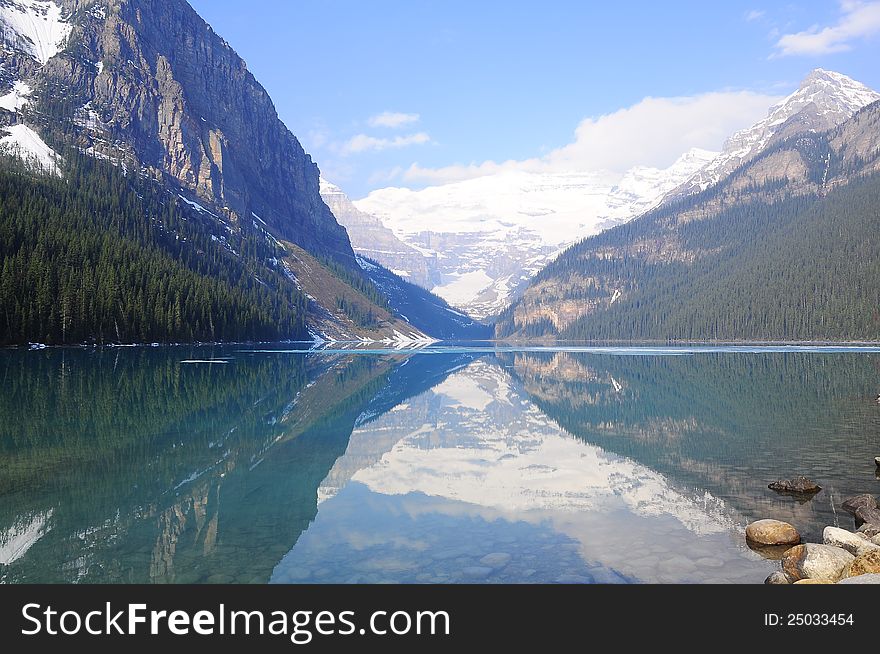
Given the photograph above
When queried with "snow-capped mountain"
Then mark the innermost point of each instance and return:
(798, 210)
(824, 100)
(486, 237)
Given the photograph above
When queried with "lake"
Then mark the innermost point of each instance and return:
(448, 464)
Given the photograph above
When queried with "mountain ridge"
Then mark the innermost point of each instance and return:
(796, 219)
(370, 238)
(526, 233)
(824, 100)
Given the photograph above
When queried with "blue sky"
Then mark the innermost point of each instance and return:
(414, 92)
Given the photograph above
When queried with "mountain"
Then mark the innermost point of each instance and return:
(783, 248)
(400, 272)
(225, 192)
(422, 309)
(484, 238)
(373, 240)
(824, 100)
(148, 84)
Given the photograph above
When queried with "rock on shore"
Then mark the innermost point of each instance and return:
(866, 515)
(818, 562)
(864, 564)
(855, 544)
(843, 557)
(777, 578)
(853, 504)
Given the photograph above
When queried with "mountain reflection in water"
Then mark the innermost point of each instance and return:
(449, 465)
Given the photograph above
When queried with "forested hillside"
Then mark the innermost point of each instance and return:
(99, 257)
(786, 248)
(796, 269)
(194, 236)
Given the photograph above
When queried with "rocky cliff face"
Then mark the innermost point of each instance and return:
(372, 239)
(148, 84)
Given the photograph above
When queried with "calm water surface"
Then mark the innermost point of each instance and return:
(450, 464)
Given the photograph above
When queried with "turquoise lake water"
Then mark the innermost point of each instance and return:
(450, 464)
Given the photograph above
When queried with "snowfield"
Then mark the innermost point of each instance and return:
(491, 234)
(24, 142)
(16, 98)
(35, 26)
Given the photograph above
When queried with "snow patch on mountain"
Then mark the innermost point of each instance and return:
(16, 98)
(329, 189)
(24, 142)
(35, 27)
(464, 287)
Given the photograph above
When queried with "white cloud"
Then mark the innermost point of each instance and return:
(393, 120)
(858, 20)
(755, 14)
(365, 142)
(653, 132)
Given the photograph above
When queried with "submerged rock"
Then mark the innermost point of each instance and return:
(821, 562)
(477, 572)
(853, 504)
(799, 485)
(496, 560)
(861, 579)
(777, 578)
(763, 533)
(855, 544)
(865, 564)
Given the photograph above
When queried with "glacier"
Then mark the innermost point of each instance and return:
(486, 237)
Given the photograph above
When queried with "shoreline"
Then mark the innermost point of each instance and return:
(471, 343)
